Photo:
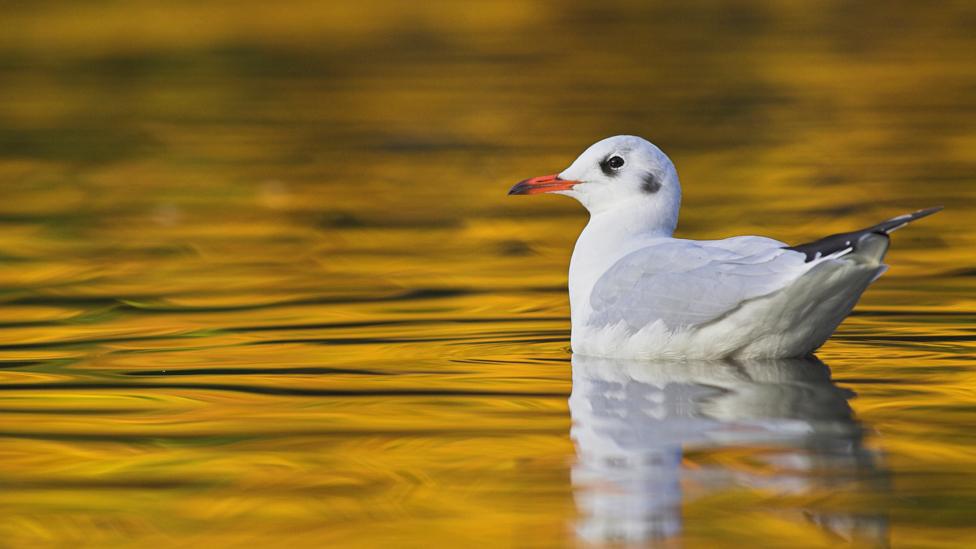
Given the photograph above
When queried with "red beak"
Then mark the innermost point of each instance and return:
(542, 184)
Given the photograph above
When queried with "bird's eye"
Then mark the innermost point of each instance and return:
(615, 163)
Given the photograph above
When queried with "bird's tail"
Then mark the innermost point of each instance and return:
(866, 240)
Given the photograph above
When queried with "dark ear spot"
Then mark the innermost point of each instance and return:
(650, 185)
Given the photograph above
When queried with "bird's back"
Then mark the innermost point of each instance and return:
(744, 296)
(686, 283)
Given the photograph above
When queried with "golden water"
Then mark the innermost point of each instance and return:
(261, 283)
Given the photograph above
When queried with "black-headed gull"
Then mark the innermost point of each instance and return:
(635, 291)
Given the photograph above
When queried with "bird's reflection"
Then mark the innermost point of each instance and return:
(635, 423)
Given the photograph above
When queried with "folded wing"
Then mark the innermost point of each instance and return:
(684, 283)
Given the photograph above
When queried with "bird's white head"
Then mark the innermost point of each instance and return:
(619, 174)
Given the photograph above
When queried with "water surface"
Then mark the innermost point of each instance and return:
(260, 282)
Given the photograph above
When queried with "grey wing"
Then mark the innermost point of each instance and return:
(686, 284)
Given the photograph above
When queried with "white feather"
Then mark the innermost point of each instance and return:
(683, 283)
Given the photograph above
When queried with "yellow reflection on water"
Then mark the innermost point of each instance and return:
(261, 282)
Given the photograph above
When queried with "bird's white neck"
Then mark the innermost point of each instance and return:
(610, 235)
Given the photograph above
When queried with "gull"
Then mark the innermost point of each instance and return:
(635, 291)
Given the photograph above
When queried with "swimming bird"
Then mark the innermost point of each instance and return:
(635, 291)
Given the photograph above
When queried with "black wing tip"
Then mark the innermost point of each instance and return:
(919, 214)
(841, 241)
(896, 223)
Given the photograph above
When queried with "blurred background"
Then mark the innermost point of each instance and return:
(261, 281)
